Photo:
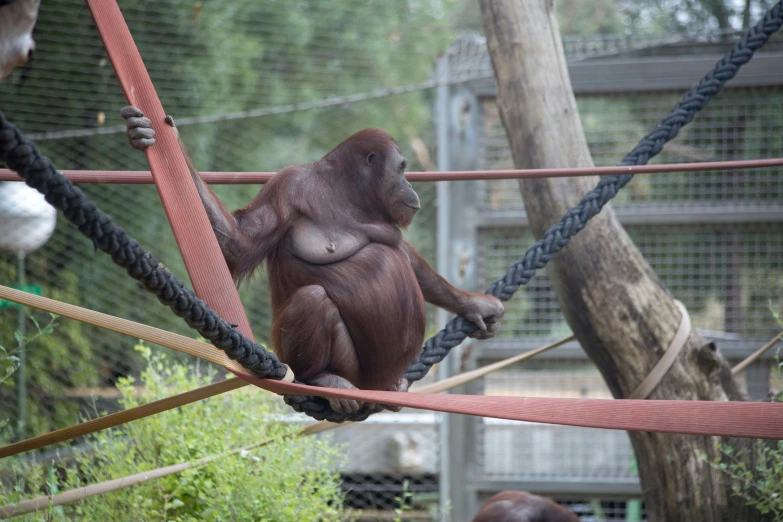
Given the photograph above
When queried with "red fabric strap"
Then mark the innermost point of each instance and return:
(757, 420)
(201, 253)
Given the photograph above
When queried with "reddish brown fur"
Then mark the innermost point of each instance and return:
(520, 506)
(379, 301)
(347, 292)
(375, 290)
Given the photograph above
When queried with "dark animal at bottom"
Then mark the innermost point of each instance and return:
(520, 506)
(347, 291)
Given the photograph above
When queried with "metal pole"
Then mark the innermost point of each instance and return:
(443, 235)
(21, 373)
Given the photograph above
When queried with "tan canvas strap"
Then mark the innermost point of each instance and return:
(137, 330)
(116, 324)
(667, 359)
(171, 340)
(755, 355)
(115, 419)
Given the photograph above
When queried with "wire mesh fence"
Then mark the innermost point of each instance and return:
(737, 124)
(726, 271)
(392, 460)
(540, 453)
(727, 276)
(282, 86)
(598, 510)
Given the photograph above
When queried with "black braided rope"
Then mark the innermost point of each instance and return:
(38, 172)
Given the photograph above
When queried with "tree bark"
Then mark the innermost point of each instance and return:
(613, 301)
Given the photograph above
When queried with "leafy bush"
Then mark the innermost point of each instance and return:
(761, 487)
(10, 362)
(288, 479)
(54, 362)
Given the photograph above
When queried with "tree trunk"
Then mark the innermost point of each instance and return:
(613, 301)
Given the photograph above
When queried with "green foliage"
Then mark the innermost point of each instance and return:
(761, 486)
(289, 479)
(9, 363)
(577, 17)
(53, 361)
(403, 502)
(408, 501)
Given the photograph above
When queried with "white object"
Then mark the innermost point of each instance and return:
(26, 219)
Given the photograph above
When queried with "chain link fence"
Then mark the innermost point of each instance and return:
(253, 86)
(727, 274)
(713, 238)
(282, 85)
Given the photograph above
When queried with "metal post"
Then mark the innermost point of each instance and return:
(442, 244)
(465, 123)
(21, 373)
